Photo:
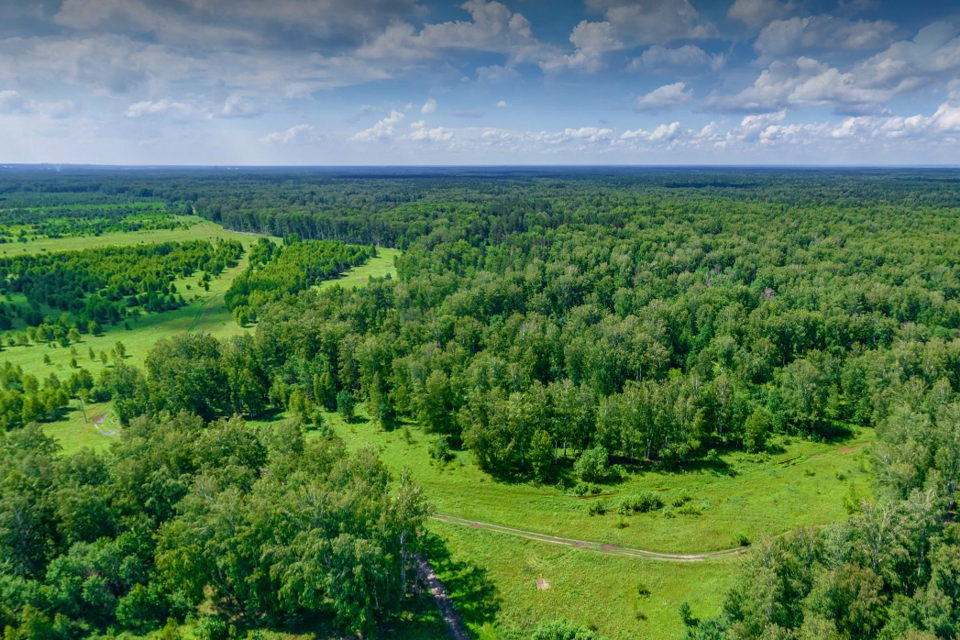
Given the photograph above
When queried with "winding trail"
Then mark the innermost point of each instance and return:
(611, 549)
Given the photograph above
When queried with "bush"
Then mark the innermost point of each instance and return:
(586, 488)
(597, 508)
(680, 500)
(640, 503)
(592, 465)
(563, 630)
(440, 450)
(211, 628)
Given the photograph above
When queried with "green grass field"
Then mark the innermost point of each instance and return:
(205, 311)
(378, 267)
(199, 230)
(767, 495)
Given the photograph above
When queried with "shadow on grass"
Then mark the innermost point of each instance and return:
(467, 583)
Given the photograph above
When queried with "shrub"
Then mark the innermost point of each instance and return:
(680, 500)
(440, 450)
(640, 503)
(585, 488)
(597, 508)
(592, 464)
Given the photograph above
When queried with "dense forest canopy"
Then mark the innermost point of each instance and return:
(649, 318)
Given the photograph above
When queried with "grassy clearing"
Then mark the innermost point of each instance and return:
(378, 267)
(205, 312)
(199, 230)
(767, 495)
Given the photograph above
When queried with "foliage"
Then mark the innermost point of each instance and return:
(182, 513)
(276, 271)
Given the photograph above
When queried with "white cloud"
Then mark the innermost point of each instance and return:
(503, 104)
(300, 134)
(592, 41)
(756, 13)
(164, 107)
(231, 22)
(421, 133)
(664, 132)
(688, 58)
(667, 96)
(239, 107)
(496, 74)
(654, 21)
(806, 82)
(382, 130)
(11, 102)
(819, 33)
(493, 28)
(430, 106)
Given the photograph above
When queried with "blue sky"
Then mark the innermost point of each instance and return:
(344, 82)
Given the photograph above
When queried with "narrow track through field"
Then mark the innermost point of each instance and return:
(611, 549)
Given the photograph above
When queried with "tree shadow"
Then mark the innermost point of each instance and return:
(468, 584)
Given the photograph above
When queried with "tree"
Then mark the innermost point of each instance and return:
(592, 465)
(756, 429)
(346, 404)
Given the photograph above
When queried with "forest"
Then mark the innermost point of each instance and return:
(101, 286)
(567, 331)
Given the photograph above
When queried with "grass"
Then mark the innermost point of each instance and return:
(205, 311)
(378, 267)
(766, 496)
(200, 230)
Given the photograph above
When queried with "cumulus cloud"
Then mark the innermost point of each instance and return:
(163, 107)
(300, 134)
(277, 24)
(688, 58)
(654, 21)
(497, 74)
(592, 41)
(430, 106)
(664, 132)
(239, 107)
(667, 96)
(756, 13)
(503, 104)
(493, 28)
(382, 130)
(805, 82)
(820, 33)
(421, 133)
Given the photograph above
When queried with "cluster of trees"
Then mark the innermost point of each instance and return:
(892, 571)
(24, 398)
(23, 223)
(104, 285)
(277, 271)
(183, 518)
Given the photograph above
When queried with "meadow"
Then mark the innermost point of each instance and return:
(498, 578)
(205, 312)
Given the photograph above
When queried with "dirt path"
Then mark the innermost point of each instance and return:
(592, 546)
(444, 603)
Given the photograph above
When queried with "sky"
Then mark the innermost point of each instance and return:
(482, 82)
